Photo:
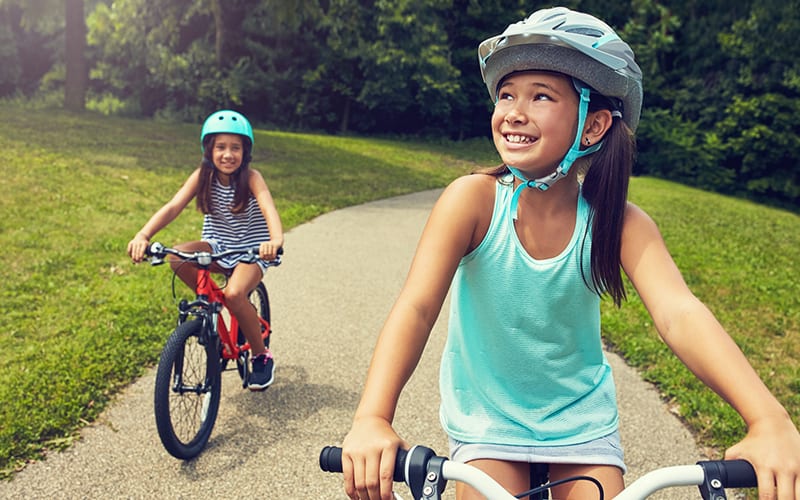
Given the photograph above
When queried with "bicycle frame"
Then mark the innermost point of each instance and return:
(210, 301)
(210, 297)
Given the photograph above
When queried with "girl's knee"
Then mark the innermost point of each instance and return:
(235, 295)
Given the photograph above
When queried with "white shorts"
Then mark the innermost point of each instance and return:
(606, 450)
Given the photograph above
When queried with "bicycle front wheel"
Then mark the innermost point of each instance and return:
(187, 390)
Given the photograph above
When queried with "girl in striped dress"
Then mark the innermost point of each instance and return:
(239, 213)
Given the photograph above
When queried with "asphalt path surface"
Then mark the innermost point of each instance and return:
(341, 274)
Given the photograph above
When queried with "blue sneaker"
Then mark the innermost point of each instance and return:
(263, 373)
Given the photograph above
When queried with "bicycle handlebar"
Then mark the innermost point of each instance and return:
(158, 252)
(427, 474)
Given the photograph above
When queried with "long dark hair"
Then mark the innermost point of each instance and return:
(605, 187)
(239, 179)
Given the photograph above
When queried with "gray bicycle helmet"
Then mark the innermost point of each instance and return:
(573, 43)
(227, 122)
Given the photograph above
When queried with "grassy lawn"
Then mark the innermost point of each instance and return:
(79, 323)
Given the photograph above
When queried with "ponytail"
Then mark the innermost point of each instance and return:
(605, 187)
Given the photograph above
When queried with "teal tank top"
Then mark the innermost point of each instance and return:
(524, 363)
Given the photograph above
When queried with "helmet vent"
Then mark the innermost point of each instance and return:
(555, 15)
(586, 31)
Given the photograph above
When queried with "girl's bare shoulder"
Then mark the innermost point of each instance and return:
(473, 188)
(639, 229)
(255, 179)
(254, 173)
(466, 206)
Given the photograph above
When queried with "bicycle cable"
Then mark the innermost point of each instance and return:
(175, 275)
(549, 485)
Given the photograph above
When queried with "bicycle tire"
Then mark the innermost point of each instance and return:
(185, 418)
(260, 300)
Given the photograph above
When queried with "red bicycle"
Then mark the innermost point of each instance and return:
(188, 378)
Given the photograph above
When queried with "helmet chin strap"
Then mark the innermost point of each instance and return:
(575, 152)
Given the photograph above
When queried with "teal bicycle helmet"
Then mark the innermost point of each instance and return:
(577, 45)
(226, 122)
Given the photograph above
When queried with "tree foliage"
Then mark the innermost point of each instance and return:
(721, 78)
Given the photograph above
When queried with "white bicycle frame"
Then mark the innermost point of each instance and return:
(653, 481)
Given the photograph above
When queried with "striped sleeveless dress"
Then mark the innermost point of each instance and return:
(225, 230)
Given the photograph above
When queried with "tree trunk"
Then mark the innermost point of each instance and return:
(220, 33)
(345, 123)
(77, 77)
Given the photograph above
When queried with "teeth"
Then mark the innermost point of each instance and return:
(518, 139)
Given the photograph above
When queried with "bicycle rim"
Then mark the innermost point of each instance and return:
(187, 391)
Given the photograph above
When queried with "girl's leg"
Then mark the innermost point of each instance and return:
(185, 271)
(608, 475)
(242, 281)
(513, 476)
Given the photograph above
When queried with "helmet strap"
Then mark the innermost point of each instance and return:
(575, 152)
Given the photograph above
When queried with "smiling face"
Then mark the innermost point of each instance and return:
(227, 153)
(534, 121)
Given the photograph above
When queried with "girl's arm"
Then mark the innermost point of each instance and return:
(687, 326)
(370, 446)
(258, 187)
(163, 216)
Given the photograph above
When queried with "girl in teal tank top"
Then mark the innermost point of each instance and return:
(529, 248)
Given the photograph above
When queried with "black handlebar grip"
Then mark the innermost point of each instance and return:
(732, 473)
(740, 474)
(330, 460)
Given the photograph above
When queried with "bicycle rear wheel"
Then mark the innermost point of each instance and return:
(260, 300)
(187, 391)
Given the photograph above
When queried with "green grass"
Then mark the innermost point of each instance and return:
(80, 321)
(742, 260)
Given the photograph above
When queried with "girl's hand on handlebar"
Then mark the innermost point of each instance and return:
(268, 250)
(137, 247)
(772, 445)
(368, 455)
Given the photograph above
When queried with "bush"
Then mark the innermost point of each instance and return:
(672, 148)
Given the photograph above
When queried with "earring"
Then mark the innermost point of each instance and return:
(588, 141)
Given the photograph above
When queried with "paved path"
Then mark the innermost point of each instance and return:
(340, 276)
